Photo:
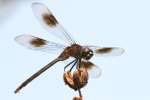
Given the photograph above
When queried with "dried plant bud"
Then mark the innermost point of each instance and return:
(71, 79)
(77, 98)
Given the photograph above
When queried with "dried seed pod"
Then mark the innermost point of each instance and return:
(71, 79)
(77, 98)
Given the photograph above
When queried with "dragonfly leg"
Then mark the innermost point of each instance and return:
(73, 65)
(69, 64)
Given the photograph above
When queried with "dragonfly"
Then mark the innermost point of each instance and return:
(80, 55)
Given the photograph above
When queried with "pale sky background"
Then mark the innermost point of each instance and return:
(121, 23)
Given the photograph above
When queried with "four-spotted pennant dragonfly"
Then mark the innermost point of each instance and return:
(81, 54)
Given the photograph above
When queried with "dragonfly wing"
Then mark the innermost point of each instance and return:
(38, 44)
(50, 23)
(93, 70)
(106, 51)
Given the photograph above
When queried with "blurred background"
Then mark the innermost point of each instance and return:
(118, 23)
(8, 8)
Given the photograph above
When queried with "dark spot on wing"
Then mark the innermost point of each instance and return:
(37, 42)
(87, 65)
(50, 19)
(104, 50)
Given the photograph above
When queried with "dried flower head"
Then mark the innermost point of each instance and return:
(78, 79)
(77, 98)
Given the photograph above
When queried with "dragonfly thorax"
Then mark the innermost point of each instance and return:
(77, 51)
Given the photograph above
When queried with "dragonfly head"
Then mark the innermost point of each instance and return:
(87, 53)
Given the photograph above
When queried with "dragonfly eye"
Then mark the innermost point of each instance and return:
(87, 54)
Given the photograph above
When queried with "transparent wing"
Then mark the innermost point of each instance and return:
(50, 23)
(36, 43)
(106, 51)
(93, 70)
